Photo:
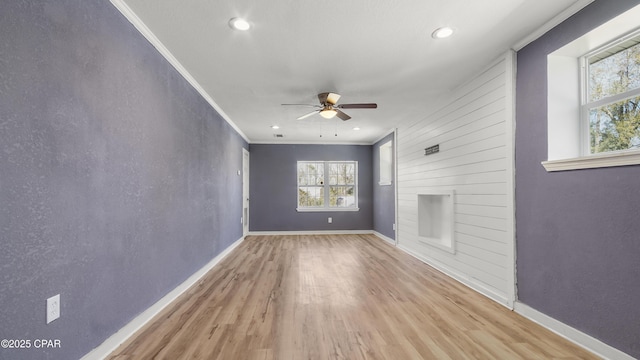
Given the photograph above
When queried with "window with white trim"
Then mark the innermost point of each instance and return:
(386, 163)
(592, 99)
(327, 186)
(610, 108)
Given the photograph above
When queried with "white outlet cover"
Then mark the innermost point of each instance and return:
(53, 308)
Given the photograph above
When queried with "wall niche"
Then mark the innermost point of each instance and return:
(436, 219)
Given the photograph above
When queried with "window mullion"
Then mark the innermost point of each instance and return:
(327, 197)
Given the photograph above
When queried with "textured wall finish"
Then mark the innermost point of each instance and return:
(384, 196)
(117, 180)
(274, 196)
(577, 231)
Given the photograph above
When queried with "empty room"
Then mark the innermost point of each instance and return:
(218, 179)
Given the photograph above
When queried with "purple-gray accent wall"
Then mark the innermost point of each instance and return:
(577, 232)
(384, 196)
(117, 179)
(273, 188)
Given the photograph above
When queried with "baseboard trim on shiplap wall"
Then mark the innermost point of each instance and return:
(115, 340)
(459, 277)
(575, 336)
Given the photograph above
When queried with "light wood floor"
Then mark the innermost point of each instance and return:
(336, 297)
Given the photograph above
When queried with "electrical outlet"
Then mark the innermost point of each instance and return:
(394, 227)
(330, 220)
(53, 308)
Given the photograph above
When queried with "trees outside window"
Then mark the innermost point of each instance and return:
(612, 101)
(327, 185)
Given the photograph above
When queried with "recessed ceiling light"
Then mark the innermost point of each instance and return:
(442, 33)
(275, 127)
(239, 24)
(356, 128)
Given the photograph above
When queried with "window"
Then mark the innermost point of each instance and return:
(593, 92)
(386, 163)
(327, 186)
(611, 100)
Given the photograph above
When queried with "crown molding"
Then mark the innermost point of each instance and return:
(130, 15)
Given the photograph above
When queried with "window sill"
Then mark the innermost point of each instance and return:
(327, 209)
(625, 158)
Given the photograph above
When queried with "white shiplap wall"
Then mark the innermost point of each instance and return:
(474, 128)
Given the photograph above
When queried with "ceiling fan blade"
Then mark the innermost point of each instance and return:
(342, 115)
(333, 98)
(308, 105)
(358, 106)
(328, 98)
(309, 114)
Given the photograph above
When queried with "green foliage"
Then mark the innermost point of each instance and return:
(306, 199)
(341, 179)
(615, 126)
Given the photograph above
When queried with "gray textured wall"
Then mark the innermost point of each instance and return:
(117, 180)
(384, 197)
(273, 191)
(578, 232)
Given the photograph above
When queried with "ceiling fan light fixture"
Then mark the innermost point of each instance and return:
(328, 113)
(239, 24)
(442, 33)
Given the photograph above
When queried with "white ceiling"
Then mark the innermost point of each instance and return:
(365, 50)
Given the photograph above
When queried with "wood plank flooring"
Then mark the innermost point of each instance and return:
(336, 297)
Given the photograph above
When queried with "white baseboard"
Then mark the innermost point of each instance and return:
(109, 345)
(317, 232)
(575, 336)
(385, 238)
(461, 278)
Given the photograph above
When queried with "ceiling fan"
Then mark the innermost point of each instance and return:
(328, 107)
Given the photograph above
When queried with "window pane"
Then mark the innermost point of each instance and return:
(319, 173)
(302, 173)
(349, 174)
(341, 196)
(615, 126)
(386, 162)
(614, 74)
(342, 173)
(310, 196)
(310, 173)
